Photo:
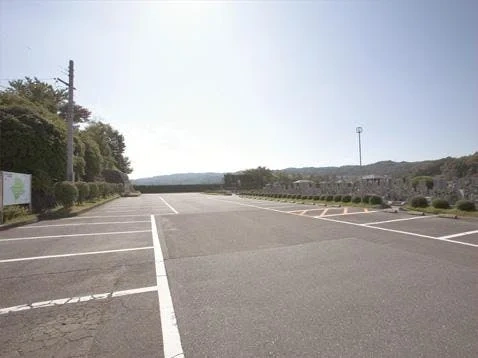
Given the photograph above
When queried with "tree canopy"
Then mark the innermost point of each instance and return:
(33, 136)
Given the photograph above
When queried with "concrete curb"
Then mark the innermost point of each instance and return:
(391, 210)
(417, 213)
(19, 223)
(448, 216)
(37, 219)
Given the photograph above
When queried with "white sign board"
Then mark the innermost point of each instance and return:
(17, 188)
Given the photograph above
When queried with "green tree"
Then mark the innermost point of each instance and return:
(52, 99)
(31, 140)
(39, 93)
(111, 144)
(93, 159)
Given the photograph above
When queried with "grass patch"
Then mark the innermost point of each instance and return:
(451, 211)
(131, 194)
(22, 219)
(217, 192)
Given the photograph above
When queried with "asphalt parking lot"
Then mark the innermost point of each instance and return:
(210, 276)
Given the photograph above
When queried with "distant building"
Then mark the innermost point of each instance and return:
(303, 184)
(373, 179)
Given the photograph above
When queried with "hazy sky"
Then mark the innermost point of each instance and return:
(224, 86)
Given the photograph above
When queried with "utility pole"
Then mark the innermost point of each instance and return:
(359, 130)
(69, 142)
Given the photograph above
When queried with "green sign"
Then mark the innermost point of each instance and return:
(18, 188)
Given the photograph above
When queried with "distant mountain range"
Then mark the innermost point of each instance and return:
(182, 179)
(447, 167)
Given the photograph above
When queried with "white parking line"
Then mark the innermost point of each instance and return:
(64, 301)
(105, 216)
(72, 235)
(444, 238)
(359, 212)
(169, 206)
(75, 254)
(169, 326)
(100, 223)
(394, 220)
(459, 234)
(356, 224)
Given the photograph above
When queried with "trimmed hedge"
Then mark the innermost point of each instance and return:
(66, 194)
(365, 199)
(440, 204)
(346, 198)
(323, 197)
(465, 205)
(356, 199)
(418, 202)
(375, 200)
(338, 198)
(102, 189)
(83, 191)
(329, 198)
(94, 191)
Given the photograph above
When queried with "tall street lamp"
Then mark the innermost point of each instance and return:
(359, 130)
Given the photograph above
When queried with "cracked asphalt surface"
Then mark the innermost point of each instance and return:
(245, 282)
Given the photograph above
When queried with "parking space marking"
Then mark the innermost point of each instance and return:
(78, 299)
(75, 254)
(100, 223)
(72, 235)
(171, 340)
(169, 206)
(105, 216)
(324, 212)
(395, 220)
(444, 238)
(344, 214)
(459, 234)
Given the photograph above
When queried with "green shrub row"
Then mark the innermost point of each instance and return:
(438, 203)
(366, 199)
(67, 193)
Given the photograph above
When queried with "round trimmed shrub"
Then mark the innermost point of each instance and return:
(465, 205)
(356, 199)
(418, 202)
(329, 198)
(337, 198)
(440, 204)
(365, 199)
(323, 197)
(94, 191)
(83, 191)
(66, 194)
(316, 197)
(346, 198)
(375, 200)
